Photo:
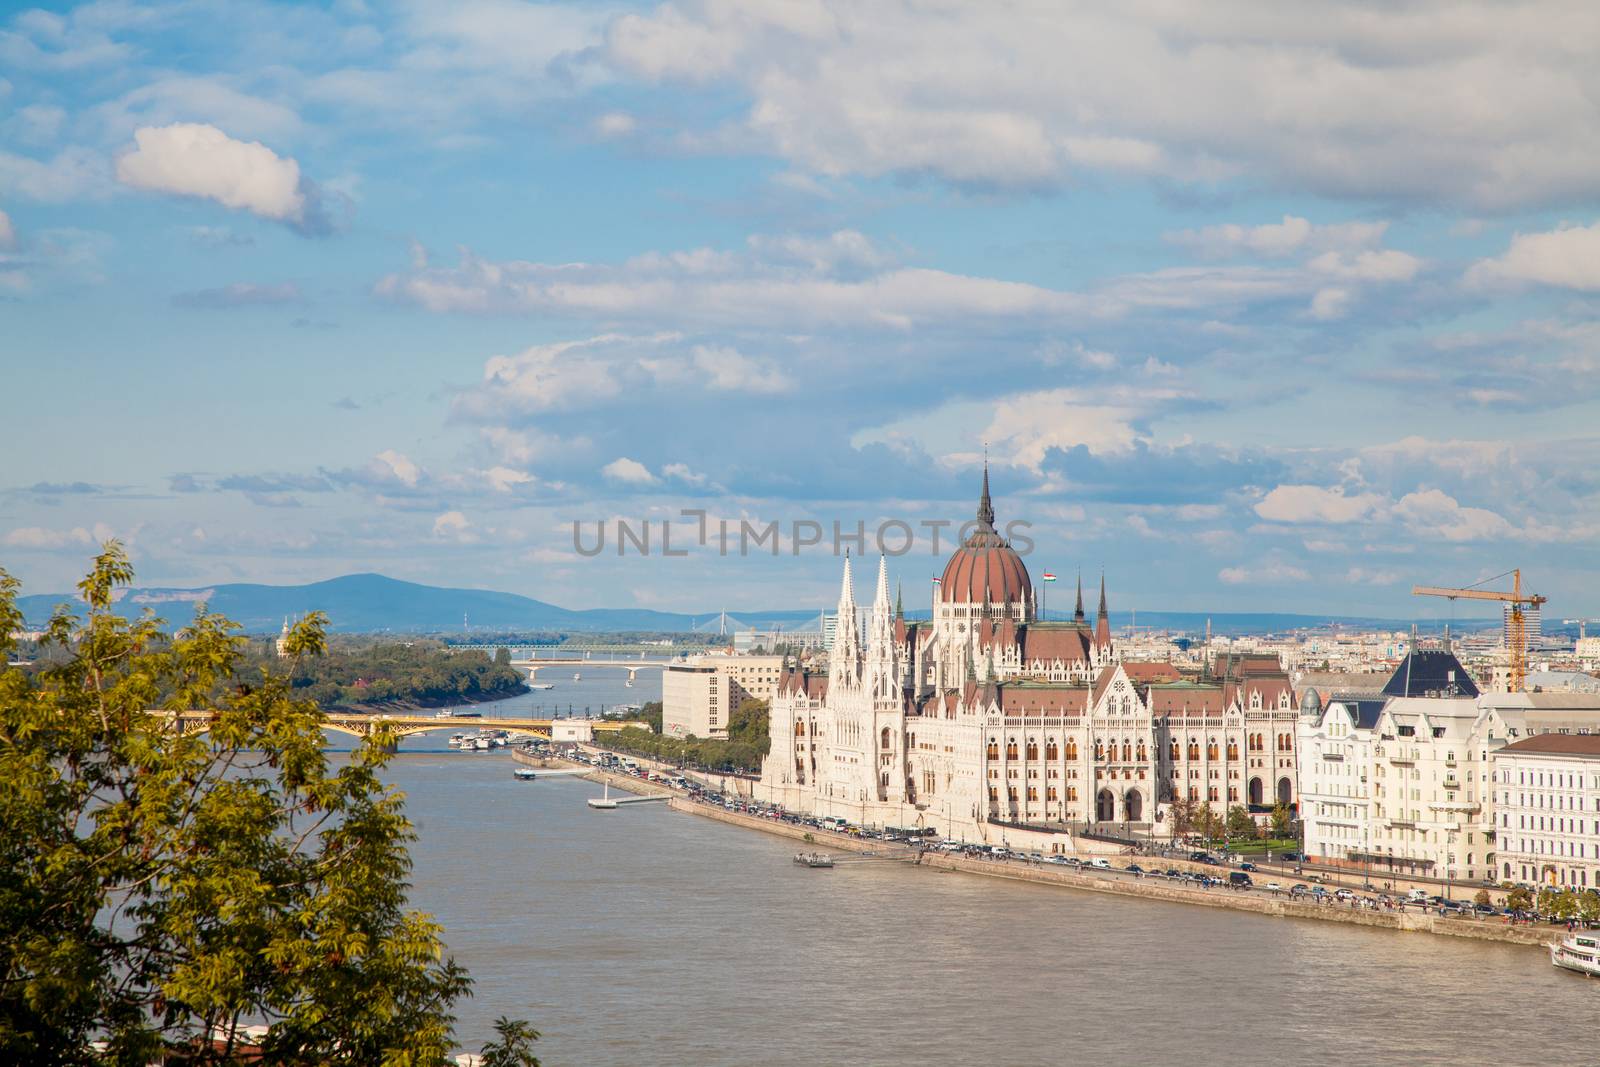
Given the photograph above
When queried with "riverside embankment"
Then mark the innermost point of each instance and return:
(1122, 884)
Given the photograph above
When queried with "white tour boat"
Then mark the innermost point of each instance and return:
(1579, 952)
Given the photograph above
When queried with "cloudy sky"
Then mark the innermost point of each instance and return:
(1277, 307)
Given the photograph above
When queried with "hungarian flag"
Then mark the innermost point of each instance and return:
(1049, 577)
(938, 581)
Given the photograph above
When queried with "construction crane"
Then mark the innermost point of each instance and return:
(1517, 638)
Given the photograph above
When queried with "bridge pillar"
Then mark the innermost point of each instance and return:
(631, 673)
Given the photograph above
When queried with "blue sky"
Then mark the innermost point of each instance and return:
(1256, 308)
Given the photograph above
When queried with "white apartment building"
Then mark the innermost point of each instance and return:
(1410, 780)
(1547, 819)
(1430, 789)
(699, 694)
(1335, 768)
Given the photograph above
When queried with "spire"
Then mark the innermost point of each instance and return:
(847, 593)
(880, 599)
(899, 605)
(985, 508)
(1077, 613)
(1102, 622)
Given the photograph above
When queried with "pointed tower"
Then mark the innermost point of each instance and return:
(883, 659)
(1077, 612)
(1102, 621)
(844, 661)
(985, 506)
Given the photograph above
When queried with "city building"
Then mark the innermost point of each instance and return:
(699, 694)
(986, 720)
(1531, 623)
(1547, 820)
(1335, 767)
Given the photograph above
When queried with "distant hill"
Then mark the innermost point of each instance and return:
(369, 603)
(372, 602)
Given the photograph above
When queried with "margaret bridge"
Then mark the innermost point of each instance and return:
(360, 724)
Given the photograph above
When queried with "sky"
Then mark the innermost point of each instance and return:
(1252, 307)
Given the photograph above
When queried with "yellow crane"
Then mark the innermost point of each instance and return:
(1517, 638)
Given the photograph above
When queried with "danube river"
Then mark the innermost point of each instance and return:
(648, 936)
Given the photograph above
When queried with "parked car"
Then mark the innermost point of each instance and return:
(1247, 866)
(1239, 880)
(1101, 863)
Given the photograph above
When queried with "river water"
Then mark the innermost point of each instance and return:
(644, 935)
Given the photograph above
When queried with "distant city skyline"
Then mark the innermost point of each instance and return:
(1256, 312)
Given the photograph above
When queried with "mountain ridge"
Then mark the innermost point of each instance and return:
(368, 602)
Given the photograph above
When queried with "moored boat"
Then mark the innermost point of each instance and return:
(1579, 952)
(813, 859)
(525, 774)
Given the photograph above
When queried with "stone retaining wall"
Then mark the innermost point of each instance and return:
(1218, 897)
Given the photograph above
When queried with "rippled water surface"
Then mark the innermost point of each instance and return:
(649, 936)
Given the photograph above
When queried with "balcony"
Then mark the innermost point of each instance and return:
(1403, 761)
(1451, 782)
(1337, 757)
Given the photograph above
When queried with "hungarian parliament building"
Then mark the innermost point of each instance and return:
(988, 716)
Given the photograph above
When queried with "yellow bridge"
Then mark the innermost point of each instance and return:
(362, 724)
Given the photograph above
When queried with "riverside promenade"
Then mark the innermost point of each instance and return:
(1122, 884)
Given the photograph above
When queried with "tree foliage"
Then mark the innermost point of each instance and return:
(414, 672)
(746, 745)
(512, 1046)
(160, 888)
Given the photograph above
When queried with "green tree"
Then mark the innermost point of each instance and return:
(1481, 897)
(1181, 812)
(514, 1045)
(158, 887)
(1518, 898)
(1240, 824)
(1589, 906)
(502, 657)
(1282, 820)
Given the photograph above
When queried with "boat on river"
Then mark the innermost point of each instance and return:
(541, 685)
(1579, 952)
(525, 774)
(814, 859)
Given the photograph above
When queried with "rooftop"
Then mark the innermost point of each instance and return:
(1557, 745)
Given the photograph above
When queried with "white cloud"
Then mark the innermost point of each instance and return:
(1568, 257)
(1279, 239)
(804, 284)
(727, 369)
(682, 473)
(629, 471)
(1027, 425)
(453, 526)
(1329, 304)
(8, 233)
(1372, 265)
(1478, 104)
(397, 466)
(198, 160)
(72, 174)
(1369, 576)
(38, 537)
(1432, 514)
(1313, 503)
(1264, 573)
(505, 479)
(614, 124)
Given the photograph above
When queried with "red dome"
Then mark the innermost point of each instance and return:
(984, 573)
(985, 569)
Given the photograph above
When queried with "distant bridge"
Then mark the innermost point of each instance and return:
(632, 666)
(360, 724)
(532, 651)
